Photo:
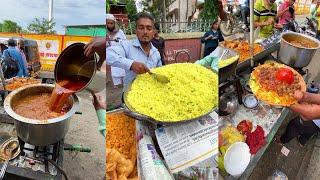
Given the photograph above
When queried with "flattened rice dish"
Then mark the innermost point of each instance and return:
(191, 92)
(226, 62)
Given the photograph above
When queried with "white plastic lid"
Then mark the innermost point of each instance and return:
(237, 158)
(250, 101)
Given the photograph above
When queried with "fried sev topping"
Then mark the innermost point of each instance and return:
(243, 49)
(120, 133)
(121, 152)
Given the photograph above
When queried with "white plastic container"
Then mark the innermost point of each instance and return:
(237, 158)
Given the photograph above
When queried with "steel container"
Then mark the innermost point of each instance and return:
(296, 56)
(39, 132)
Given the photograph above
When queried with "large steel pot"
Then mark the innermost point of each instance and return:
(293, 55)
(35, 132)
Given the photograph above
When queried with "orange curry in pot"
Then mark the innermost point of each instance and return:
(45, 106)
(37, 107)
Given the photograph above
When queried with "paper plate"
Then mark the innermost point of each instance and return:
(237, 158)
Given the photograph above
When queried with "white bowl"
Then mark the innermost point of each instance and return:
(237, 158)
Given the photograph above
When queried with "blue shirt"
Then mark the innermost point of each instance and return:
(317, 122)
(212, 43)
(126, 52)
(18, 58)
(244, 3)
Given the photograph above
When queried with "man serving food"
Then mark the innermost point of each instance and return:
(138, 55)
(308, 123)
(278, 84)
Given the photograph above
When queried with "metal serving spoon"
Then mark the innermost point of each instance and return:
(159, 77)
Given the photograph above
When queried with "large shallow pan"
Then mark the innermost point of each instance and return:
(130, 111)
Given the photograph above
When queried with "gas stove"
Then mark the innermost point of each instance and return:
(37, 162)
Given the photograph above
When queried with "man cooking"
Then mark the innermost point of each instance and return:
(265, 12)
(138, 55)
(114, 36)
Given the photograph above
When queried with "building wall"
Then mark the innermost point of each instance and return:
(180, 11)
(185, 9)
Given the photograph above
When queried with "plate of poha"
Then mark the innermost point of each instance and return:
(191, 94)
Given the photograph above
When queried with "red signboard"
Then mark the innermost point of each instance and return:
(177, 50)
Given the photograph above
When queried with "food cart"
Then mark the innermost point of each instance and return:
(247, 107)
(183, 149)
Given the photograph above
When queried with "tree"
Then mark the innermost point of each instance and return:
(210, 10)
(156, 9)
(10, 26)
(42, 26)
(108, 2)
(131, 9)
(0, 27)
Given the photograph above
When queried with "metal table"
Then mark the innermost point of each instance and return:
(269, 138)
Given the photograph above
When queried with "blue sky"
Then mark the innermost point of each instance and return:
(65, 12)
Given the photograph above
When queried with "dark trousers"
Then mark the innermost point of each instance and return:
(301, 130)
(318, 35)
(163, 61)
(208, 50)
(245, 15)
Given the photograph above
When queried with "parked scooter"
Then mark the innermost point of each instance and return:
(233, 23)
(308, 27)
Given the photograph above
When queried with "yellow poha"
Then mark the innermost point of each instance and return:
(191, 92)
(226, 62)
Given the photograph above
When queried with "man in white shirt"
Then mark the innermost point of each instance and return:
(138, 55)
(114, 36)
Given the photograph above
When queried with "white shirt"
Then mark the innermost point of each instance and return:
(317, 122)
(127, 52)
(242, 2)
(119, 35)
(115, 71)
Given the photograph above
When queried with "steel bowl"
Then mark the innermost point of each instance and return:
(295, 56)
(73, 64)
(228, 104)
(39, 132)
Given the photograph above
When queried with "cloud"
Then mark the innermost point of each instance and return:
(65, 12)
